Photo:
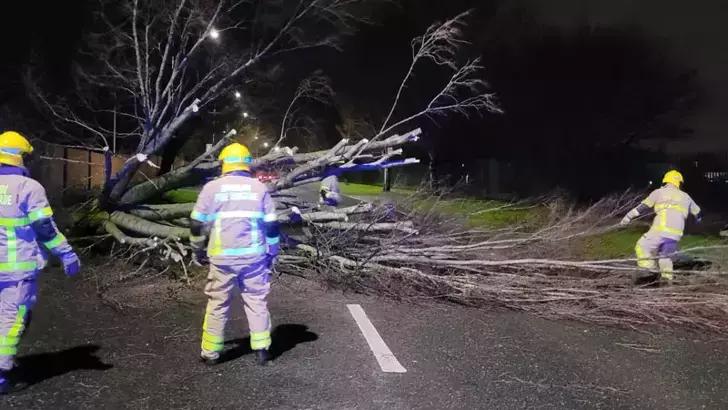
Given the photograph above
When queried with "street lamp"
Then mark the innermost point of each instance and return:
(214, 34)
(265, 145)
(238, 95)
(245, 114)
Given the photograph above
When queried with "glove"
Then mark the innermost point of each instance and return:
(199, 257)
(42, 260)
(71, 263)
(625, 221)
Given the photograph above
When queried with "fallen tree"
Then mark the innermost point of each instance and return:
(523, 268)
(147, 49)
(398, 249)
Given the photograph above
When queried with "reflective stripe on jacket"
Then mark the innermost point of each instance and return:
(235, 207)
(23, 202)
(330, 190)
(672, 207)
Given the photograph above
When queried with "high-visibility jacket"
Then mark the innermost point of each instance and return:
(26, 218)
(672, 207)
(238, 211)
(330, 190)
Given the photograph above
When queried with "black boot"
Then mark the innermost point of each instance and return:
(207, 361)
(4, 385)
(263, 357)
(8, 385)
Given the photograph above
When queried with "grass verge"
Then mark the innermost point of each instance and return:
(369, 190)
(496, 214)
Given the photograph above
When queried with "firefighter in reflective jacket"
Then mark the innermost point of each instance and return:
(330, 191)
(236, 215)
(26, 220)
(672, 206)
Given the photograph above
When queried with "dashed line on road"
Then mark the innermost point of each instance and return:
(384, 356)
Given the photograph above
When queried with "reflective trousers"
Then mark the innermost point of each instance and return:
(16, 302)
(653, 245)
(253, 281)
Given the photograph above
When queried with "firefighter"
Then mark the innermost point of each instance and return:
(672, 206)
(330, 191)
(236, 215)
(26, 220)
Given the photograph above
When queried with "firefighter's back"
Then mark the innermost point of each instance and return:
(672, 207)
(236, 235)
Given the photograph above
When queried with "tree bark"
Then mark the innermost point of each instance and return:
(169, 155)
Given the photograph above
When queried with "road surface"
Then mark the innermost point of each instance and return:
(136, 347)
(87, 352)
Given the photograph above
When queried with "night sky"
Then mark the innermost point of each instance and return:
(696, 30)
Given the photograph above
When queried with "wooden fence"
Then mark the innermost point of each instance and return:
(61, 170)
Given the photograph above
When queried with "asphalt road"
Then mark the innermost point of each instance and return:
(137, 347)
(86, 352)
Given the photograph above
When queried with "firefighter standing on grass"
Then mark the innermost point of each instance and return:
(236, 215)
(26, 220)
(672, 206)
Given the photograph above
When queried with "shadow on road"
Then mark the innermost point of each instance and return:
(284, 338)
(35, 368)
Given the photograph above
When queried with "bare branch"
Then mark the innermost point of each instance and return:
(315, 88)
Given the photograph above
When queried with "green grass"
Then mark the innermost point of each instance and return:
(182, 195)
(615, 244)
(368, 190)
(620, 243)
(484, 213)
(471, 209)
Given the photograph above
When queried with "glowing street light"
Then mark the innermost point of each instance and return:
(238, 95)
(265, 145)
(214, 34)
(256, 137)
(245, 114)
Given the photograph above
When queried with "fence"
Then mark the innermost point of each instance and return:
(64, 170)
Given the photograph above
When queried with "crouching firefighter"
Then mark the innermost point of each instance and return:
(236, 215)
(330, 191)
(672, 206)
(26, 220)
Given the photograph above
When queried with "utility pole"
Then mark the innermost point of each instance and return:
(214, 113)
(387, 177)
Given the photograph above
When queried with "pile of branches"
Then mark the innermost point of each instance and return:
(404, 247)
(163, 228)
(409, 250)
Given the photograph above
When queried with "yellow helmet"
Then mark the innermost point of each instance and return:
(673, 177)
(235, 157)
(12, 148)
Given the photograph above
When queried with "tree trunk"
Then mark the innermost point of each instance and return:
(169, 155)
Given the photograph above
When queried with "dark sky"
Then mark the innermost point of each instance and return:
(697, 31)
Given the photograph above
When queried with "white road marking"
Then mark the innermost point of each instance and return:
(384, 356)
